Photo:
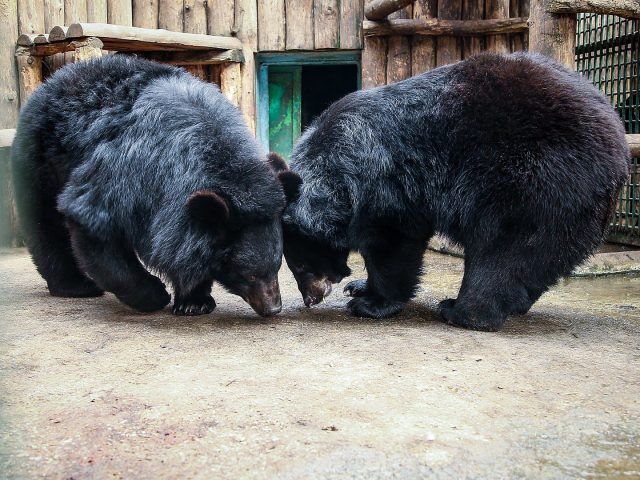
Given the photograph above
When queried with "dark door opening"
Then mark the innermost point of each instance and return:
(296, 95)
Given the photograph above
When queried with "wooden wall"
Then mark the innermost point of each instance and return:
(390, 59)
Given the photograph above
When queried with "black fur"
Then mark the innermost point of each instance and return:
(119, 160)
(513, 157)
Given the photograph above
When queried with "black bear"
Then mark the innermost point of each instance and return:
(511, 156)
(121, 162)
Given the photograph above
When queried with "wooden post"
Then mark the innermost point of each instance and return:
(31, 17)
(423, 49)
(449, 48)
(9, 99)
(231, 82)
(247, 29)
(221, 15)
(553, 35)
(374, 62)
(271, 19)
(119, 12)
(497, 10)
(97, 11)
(472, 10)
(351, 24)
(53, 15)
(170, 15)
(399, 51)
(144, 13)
(30, 72)
(326, 24)
(87, 49)
(299, 24)
(195, 16)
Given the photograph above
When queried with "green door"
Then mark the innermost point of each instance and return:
(284, 108)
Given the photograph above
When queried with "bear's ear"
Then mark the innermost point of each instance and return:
(208, 207)
(291, 183)
(277, 163)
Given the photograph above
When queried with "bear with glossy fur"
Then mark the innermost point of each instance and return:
(513, 157)
(121, 162)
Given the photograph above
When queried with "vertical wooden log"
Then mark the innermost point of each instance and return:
(170, 15)
(75, 11)
(30, 17)
(195, 16)
(374, 62)
(247, 27)
(197, 71)
(524, 11)
(144, 13)
(472, 10)
(497, 9)
(231, 82)
(449, 48)
(8, 217)
(97, 11)
(299, 24)
(9, 99)
(29, 73)
(399, 51)
(552, 35)
(272, 28)
(53, 15)
(220, 14)
(423, 49)
(119, 12)
(326, 28)
(351, 15)
(87, 49)
(214, 74)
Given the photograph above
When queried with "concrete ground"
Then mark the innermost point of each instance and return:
(91, 389)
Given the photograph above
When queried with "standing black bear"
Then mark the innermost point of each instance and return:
(513, 157)
(122, 159)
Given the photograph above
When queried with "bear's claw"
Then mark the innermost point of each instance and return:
(356, 288)
(192, 307)
(374, 307)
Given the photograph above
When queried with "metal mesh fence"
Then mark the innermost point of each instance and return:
(608, 53)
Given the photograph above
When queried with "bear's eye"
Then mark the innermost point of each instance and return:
(251, 278)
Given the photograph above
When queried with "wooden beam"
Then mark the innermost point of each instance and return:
(154, 39)
(622, 8)
(553, 35)
(6, 137)
(29, 72)
(214, 57)
(436, 27)
(634, 144)
(379, 9)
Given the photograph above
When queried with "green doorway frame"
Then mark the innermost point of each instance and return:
(285, 63)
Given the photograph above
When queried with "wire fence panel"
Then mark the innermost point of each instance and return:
(608, 53)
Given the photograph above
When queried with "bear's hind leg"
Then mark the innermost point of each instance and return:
(116, 268)
(393, 266)
(197, 302)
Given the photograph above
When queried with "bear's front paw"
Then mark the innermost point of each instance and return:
(191, 306)
(149, 296)
(356, 288)
(481, 318)
(374, 307)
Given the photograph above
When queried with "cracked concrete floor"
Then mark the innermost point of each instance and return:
(91, 389)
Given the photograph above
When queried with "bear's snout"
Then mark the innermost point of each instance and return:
(264, 298)
(316, 290)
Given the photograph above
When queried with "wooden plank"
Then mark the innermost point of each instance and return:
(437, 27)
(29, 72)
(144, 13)
(622, 8)
(326, 27)
(553, 35)
(423, 49)
(399, 51)
(374, 62)
(449, 49)
(30, 16)
(97, 11)
(380, 9)
(195, 17)
(516, 39)
(231, 82)
(497, 10)
(272, 28)
(214, 57)
(246, 17)
(634, 144)
(351, 12)
(87, 49)
(299, 24)
(53, 14)
(6, 137)
(9, 232)
(220, 14)
(171, 15)
(472, 10)
(112, 33)
(75, 11)
(9, 99)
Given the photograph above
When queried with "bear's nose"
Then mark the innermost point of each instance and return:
(264, 298)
